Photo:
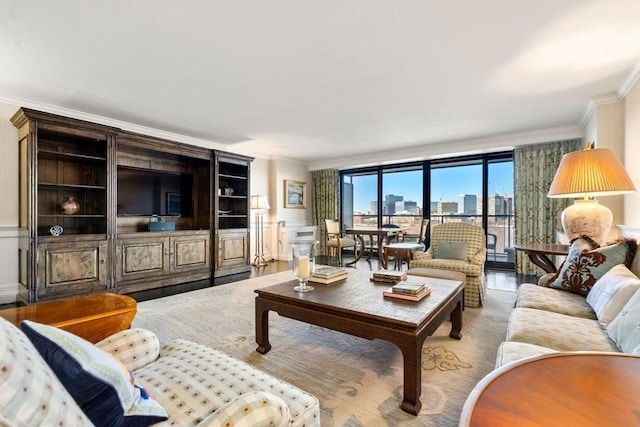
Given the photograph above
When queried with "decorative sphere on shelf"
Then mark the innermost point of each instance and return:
(69, 206)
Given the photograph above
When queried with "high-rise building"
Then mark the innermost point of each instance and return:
(374, 207)
(467, 204)
(389, 207)
(411, 207)
(444, 208)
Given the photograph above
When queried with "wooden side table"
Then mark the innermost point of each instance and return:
(587, 389)
(539, 253)
(399, 251)
(92, 317)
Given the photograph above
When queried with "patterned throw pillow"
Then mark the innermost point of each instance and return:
(586, 263)
(100, 384)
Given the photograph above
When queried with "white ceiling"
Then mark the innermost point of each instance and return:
(321, 81)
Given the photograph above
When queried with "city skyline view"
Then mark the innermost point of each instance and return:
(447, 184)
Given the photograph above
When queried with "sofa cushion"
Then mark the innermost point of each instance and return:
(557, 331)
(192, 381)
(586, 263)
(510, 351)
(258, 408)
(471, 270)
(611, 292)
(104, 389)
(134, 347)
(451, 250)
(541, 298)
(624, 330)
(30, 393)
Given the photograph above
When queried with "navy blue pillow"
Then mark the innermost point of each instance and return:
(99, 383)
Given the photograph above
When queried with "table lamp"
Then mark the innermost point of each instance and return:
(588, 173)
(259, 204)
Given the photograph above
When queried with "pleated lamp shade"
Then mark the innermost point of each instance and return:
(588, 173)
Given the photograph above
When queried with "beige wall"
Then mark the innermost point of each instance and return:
(8, 167)
(632, 154)
(617, 126)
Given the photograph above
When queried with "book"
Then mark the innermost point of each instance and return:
(327, 272)
(408, 287)
(381, 280)
(328, 281)
(390, 274)
(409, 297)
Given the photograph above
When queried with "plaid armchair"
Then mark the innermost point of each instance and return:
(458, 247)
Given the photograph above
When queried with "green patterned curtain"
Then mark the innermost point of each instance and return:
(537, 217)
(326, 201)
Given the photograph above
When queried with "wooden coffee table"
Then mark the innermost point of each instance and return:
(356, 306)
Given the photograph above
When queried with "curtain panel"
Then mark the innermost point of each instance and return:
(326, 201)
(537, 217)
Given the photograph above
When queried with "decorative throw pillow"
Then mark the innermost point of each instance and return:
(100, 384)
(611, 292)
(586, 263)
(624, 330)
(30, 393)
(451, 250)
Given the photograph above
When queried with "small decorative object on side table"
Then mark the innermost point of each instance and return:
(303, 263)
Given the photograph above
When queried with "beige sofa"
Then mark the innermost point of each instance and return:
(548, 320)
(188, 383)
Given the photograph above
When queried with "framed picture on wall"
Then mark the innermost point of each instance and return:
(295, 194)
(173, 203)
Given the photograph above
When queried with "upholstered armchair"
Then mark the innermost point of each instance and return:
(461, 247)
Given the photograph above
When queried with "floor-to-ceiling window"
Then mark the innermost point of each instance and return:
(474, 189)
(402, 198)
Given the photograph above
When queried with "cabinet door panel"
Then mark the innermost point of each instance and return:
(232, 249)
(190, 252)
(73, 267)
(142, 257)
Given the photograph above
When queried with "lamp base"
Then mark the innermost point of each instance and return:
(259, 261)
(587, 218)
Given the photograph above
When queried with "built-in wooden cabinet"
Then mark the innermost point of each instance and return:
(231, 179)
(155, 259)
(124, 184)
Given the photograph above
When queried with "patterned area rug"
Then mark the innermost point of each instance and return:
(358, 382)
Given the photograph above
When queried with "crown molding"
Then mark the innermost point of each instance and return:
(596, 101)
(629, 82)
(132, 127)
(444, 149)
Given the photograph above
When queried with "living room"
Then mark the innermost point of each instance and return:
(321, 85)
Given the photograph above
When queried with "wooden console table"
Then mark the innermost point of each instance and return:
(580, 389)
(92, 317)
(538, 254)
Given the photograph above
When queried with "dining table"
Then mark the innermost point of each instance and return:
(384, 235)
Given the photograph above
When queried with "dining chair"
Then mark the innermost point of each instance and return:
(336, 241)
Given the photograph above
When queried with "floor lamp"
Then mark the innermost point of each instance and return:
(259, 203)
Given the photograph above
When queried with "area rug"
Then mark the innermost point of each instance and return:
(358, 382)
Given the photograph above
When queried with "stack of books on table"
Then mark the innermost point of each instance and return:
(389, 276)
(412, 291)
(325, 274)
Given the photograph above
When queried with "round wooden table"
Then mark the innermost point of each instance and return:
(587, 389)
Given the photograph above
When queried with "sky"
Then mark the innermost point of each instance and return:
(447, 184)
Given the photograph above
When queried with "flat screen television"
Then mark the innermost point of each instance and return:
(144, 192)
